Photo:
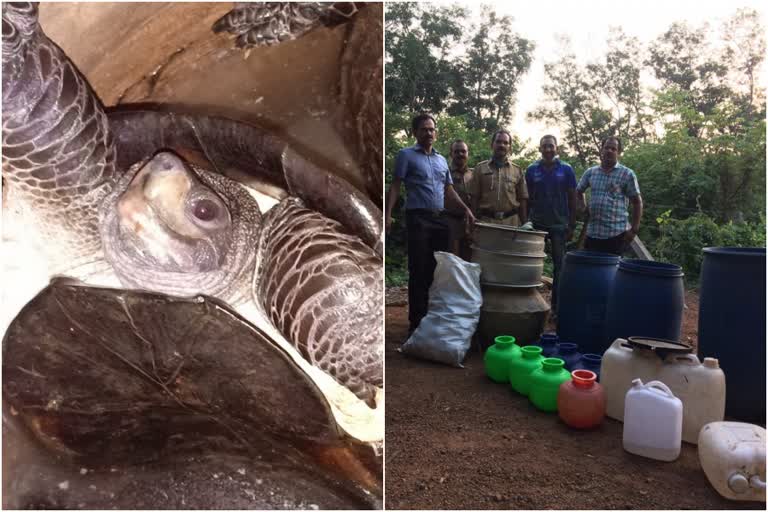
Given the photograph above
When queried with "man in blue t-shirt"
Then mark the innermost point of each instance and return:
(427, 180)
(552, 203)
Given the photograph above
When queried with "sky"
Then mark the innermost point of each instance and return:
(586, 23)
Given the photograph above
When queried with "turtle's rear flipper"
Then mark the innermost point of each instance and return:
(322, 289)
(160, 402)
(269, 23)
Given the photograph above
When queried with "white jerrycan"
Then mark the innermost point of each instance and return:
(653, 421)
(732, 456)
(700, 386)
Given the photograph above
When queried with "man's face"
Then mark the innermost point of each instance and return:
(548, 149)
(426, 133)
(459, 155)
(501, 145)
(609, 155)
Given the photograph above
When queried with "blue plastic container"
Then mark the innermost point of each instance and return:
(584, 285)
(569, 353)
(548, 343)
(646, 300)
(589, 362)
(732, 326)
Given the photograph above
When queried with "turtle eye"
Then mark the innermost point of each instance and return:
(205, 210)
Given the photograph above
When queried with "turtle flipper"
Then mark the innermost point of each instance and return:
(268, 23)
(148, 392)
(58, 154)
(322, 288)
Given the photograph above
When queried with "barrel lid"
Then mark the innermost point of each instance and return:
(756, 252)
(658, 346)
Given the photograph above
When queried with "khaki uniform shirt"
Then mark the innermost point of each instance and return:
(461, 184)
(497, 190)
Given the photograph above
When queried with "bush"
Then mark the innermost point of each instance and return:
(681, 241)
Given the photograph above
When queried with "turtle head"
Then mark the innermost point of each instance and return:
(174, 228)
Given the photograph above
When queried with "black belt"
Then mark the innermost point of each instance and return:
(424, 211)
(485, 212)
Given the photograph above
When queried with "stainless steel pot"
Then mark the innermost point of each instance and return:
(510, 269)
(496, 237)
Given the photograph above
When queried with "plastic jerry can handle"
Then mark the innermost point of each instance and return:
(688, 359)
(657, 384)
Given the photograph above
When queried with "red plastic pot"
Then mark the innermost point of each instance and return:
(581, 400)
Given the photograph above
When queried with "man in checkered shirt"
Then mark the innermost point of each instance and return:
(614, 187)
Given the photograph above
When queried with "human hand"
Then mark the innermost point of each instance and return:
(629, 235)
(470, 218)
(569, 234)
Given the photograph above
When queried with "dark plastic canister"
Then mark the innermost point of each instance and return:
(646, 300)
(584, 286)
(732, 326)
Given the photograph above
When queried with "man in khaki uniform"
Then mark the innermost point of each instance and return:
(498, 192)
(462, 177)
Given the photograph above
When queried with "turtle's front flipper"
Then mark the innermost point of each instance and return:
(322, 288)
(58, 155)
(269, 23)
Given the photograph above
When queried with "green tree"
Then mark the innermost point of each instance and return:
(596, 100)
(682, 58)
(419, 39)
(744, 37)
(488, 78)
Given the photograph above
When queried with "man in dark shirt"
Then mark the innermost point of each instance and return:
(427, 181)
(552, 200)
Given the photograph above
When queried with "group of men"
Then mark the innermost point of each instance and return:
(443, 202)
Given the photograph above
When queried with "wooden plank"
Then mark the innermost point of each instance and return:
(638, 249)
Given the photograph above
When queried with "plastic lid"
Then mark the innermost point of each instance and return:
(738, 483)
(711, 362)
(658, 346)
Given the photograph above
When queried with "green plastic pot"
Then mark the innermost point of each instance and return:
(545, 383)
(498, 357)
(520, 368)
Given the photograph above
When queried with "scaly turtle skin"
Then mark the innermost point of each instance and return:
(110, 194)
(268, 23)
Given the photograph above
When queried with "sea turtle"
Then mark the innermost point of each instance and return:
(135, 198)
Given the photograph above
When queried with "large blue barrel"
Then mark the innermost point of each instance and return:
(732, 326)
(646, 300)
(584, 284)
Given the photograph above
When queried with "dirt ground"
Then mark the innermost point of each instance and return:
(455, 440)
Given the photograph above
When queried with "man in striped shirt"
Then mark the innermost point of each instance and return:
(614, 187)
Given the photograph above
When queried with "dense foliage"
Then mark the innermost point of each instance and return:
(696, 139)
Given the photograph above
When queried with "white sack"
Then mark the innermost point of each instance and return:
(445, 333)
